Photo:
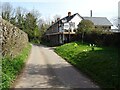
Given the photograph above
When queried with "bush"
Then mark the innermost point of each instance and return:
(12, 67)
(35, 41)
(103, 39)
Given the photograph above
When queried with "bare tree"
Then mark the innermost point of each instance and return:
(6, 10)
(41, 22)
(56, 17)
(48, 20)
(20, 14)
(36, 14)
(21, 11)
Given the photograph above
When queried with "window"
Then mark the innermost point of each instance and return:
(74, 30)
(66, 26)
(72, 24)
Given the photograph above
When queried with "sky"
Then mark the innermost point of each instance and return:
(50, 8)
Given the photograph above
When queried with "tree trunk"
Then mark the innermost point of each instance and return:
(82, 36)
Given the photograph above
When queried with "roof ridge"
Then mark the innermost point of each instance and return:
(94, 17)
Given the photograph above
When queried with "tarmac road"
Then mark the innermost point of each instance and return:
(45, 69)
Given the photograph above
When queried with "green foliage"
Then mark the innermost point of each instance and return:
(100, 31)
(12, 67)
(43, 29)
(26, 22)
(31, 28)
(85, 26)
(101, 64)
(20, 21)
(30, 25)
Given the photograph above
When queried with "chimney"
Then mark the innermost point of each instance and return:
(90, 13)
(69, 14)
(52, 22)
(58, 19)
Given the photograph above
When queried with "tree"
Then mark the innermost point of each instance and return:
(6, 10)
(31, 27)
(56, 17)
(85, 26)
(20, 21)
(29, 22)
(36, 14)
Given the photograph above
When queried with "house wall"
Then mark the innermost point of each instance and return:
(52, 29)
(76, 20)
(60, 39)
(72, 24)
(61, 29)
(54, 40)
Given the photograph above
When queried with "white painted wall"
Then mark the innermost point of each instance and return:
(66, 26)
(75, 22)
(76, 19)
(60, 39)
(60, 29)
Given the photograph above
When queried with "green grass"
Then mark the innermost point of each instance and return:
(101, 64)
(12, 67)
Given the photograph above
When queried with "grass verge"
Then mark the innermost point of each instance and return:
(12, 67)
(100, 64)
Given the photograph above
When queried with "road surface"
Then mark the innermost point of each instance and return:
(45, 69)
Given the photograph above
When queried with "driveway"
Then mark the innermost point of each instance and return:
(45, 69)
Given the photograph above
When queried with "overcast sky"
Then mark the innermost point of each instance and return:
(49, 8)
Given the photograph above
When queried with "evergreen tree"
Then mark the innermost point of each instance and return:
(31, 27)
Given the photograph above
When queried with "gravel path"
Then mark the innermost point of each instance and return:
(45, 69)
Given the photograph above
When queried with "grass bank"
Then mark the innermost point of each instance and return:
(100, 64)
(12, 67)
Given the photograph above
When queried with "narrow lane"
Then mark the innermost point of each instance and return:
(45, 69)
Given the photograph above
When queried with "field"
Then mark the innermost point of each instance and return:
(98, 63)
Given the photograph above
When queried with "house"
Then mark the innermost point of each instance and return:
(100, 22)
(115, 30)
(64, 30)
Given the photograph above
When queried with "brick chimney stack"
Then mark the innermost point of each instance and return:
(69, 14)
(58, 19)
(52, 22)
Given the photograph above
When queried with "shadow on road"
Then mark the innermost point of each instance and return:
(54, 79)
